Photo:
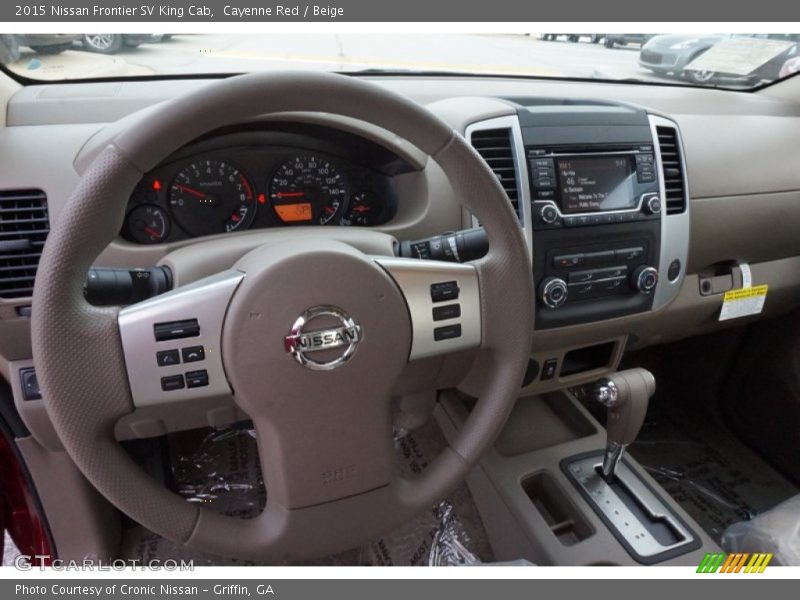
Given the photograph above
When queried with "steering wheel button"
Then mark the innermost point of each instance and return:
(195, 379)
(172, 382)
(167, 358)
(193, 354)
(446, 333)
(176, 330)
(447, 290)
(442, 313)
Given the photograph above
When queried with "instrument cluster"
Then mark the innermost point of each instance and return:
(224, 190)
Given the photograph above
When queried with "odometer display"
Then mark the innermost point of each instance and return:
(307, 189)
(211, 196)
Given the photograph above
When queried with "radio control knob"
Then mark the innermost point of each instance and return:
(554, 292)
(548, 214)
(644, 279)
(652, 205)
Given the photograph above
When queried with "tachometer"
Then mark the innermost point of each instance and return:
(306, 190)
(211, 196)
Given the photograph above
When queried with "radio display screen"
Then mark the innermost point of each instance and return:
(596, 184)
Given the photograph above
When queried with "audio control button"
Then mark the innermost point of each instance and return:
(599, 258)
(548, 214)
(567, 261)
(627, 254)
(652, 205)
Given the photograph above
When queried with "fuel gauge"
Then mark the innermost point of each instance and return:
(147, 224)
(364, 210)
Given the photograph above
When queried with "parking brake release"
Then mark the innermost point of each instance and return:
(626, 395)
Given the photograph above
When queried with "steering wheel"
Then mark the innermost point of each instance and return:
(309, 338)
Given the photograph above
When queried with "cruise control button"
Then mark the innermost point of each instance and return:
(442, 313)
(448, 332)
(193, 354)
(195, 379)
(446, 290)
(167, 358)
(172, 382)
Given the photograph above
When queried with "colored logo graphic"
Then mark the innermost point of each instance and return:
(741, 562)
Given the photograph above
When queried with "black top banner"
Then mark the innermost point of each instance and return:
(474, 11)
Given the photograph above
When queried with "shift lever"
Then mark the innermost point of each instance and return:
(626, 394)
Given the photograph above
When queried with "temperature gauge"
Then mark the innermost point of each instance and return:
(364, 210)
(147, 224)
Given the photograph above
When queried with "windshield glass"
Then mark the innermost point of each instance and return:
(737, 61)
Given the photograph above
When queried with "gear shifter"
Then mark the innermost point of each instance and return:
(626, 395)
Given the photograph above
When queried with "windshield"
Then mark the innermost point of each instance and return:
(737, 61)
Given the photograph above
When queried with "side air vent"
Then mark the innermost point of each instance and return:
(495, 146)
(24, 225)
(674, 182)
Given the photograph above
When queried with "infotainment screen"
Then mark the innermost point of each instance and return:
(596, 183)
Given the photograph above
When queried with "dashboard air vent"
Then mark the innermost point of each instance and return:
(495, 146)
(674, 181)
(24, 225)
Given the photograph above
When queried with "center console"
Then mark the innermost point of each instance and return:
(598, 211)
(601, 193)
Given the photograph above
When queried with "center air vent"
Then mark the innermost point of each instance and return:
(24, 225)
(674, 181)
(496, 148)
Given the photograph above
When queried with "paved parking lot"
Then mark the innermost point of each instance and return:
(508, 54)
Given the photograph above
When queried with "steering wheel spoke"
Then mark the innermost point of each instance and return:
(443, 301)
(172, 342)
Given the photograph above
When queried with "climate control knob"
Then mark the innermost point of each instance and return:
(548, 214)
(554, 292)
(644, 279)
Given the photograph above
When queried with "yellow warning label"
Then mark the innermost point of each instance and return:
(743, 302)
(743, 293)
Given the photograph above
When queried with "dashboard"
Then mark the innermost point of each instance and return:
(282, 177)
(53, 132)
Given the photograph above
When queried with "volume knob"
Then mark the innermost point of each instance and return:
(548, 214)
(644, 279)
(554, 292)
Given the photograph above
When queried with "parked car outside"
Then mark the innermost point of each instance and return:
(111, 43)
(623, 39)
(41, 43)
(670, 55)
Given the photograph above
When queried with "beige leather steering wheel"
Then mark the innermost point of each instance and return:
(324, 435)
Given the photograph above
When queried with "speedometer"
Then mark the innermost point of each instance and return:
(306, 190)
(211, 196)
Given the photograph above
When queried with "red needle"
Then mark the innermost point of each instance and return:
(361, 208)
(151, 231)
(191, 191)
(290, 194)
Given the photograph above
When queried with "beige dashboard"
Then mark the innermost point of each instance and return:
(742, 155)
